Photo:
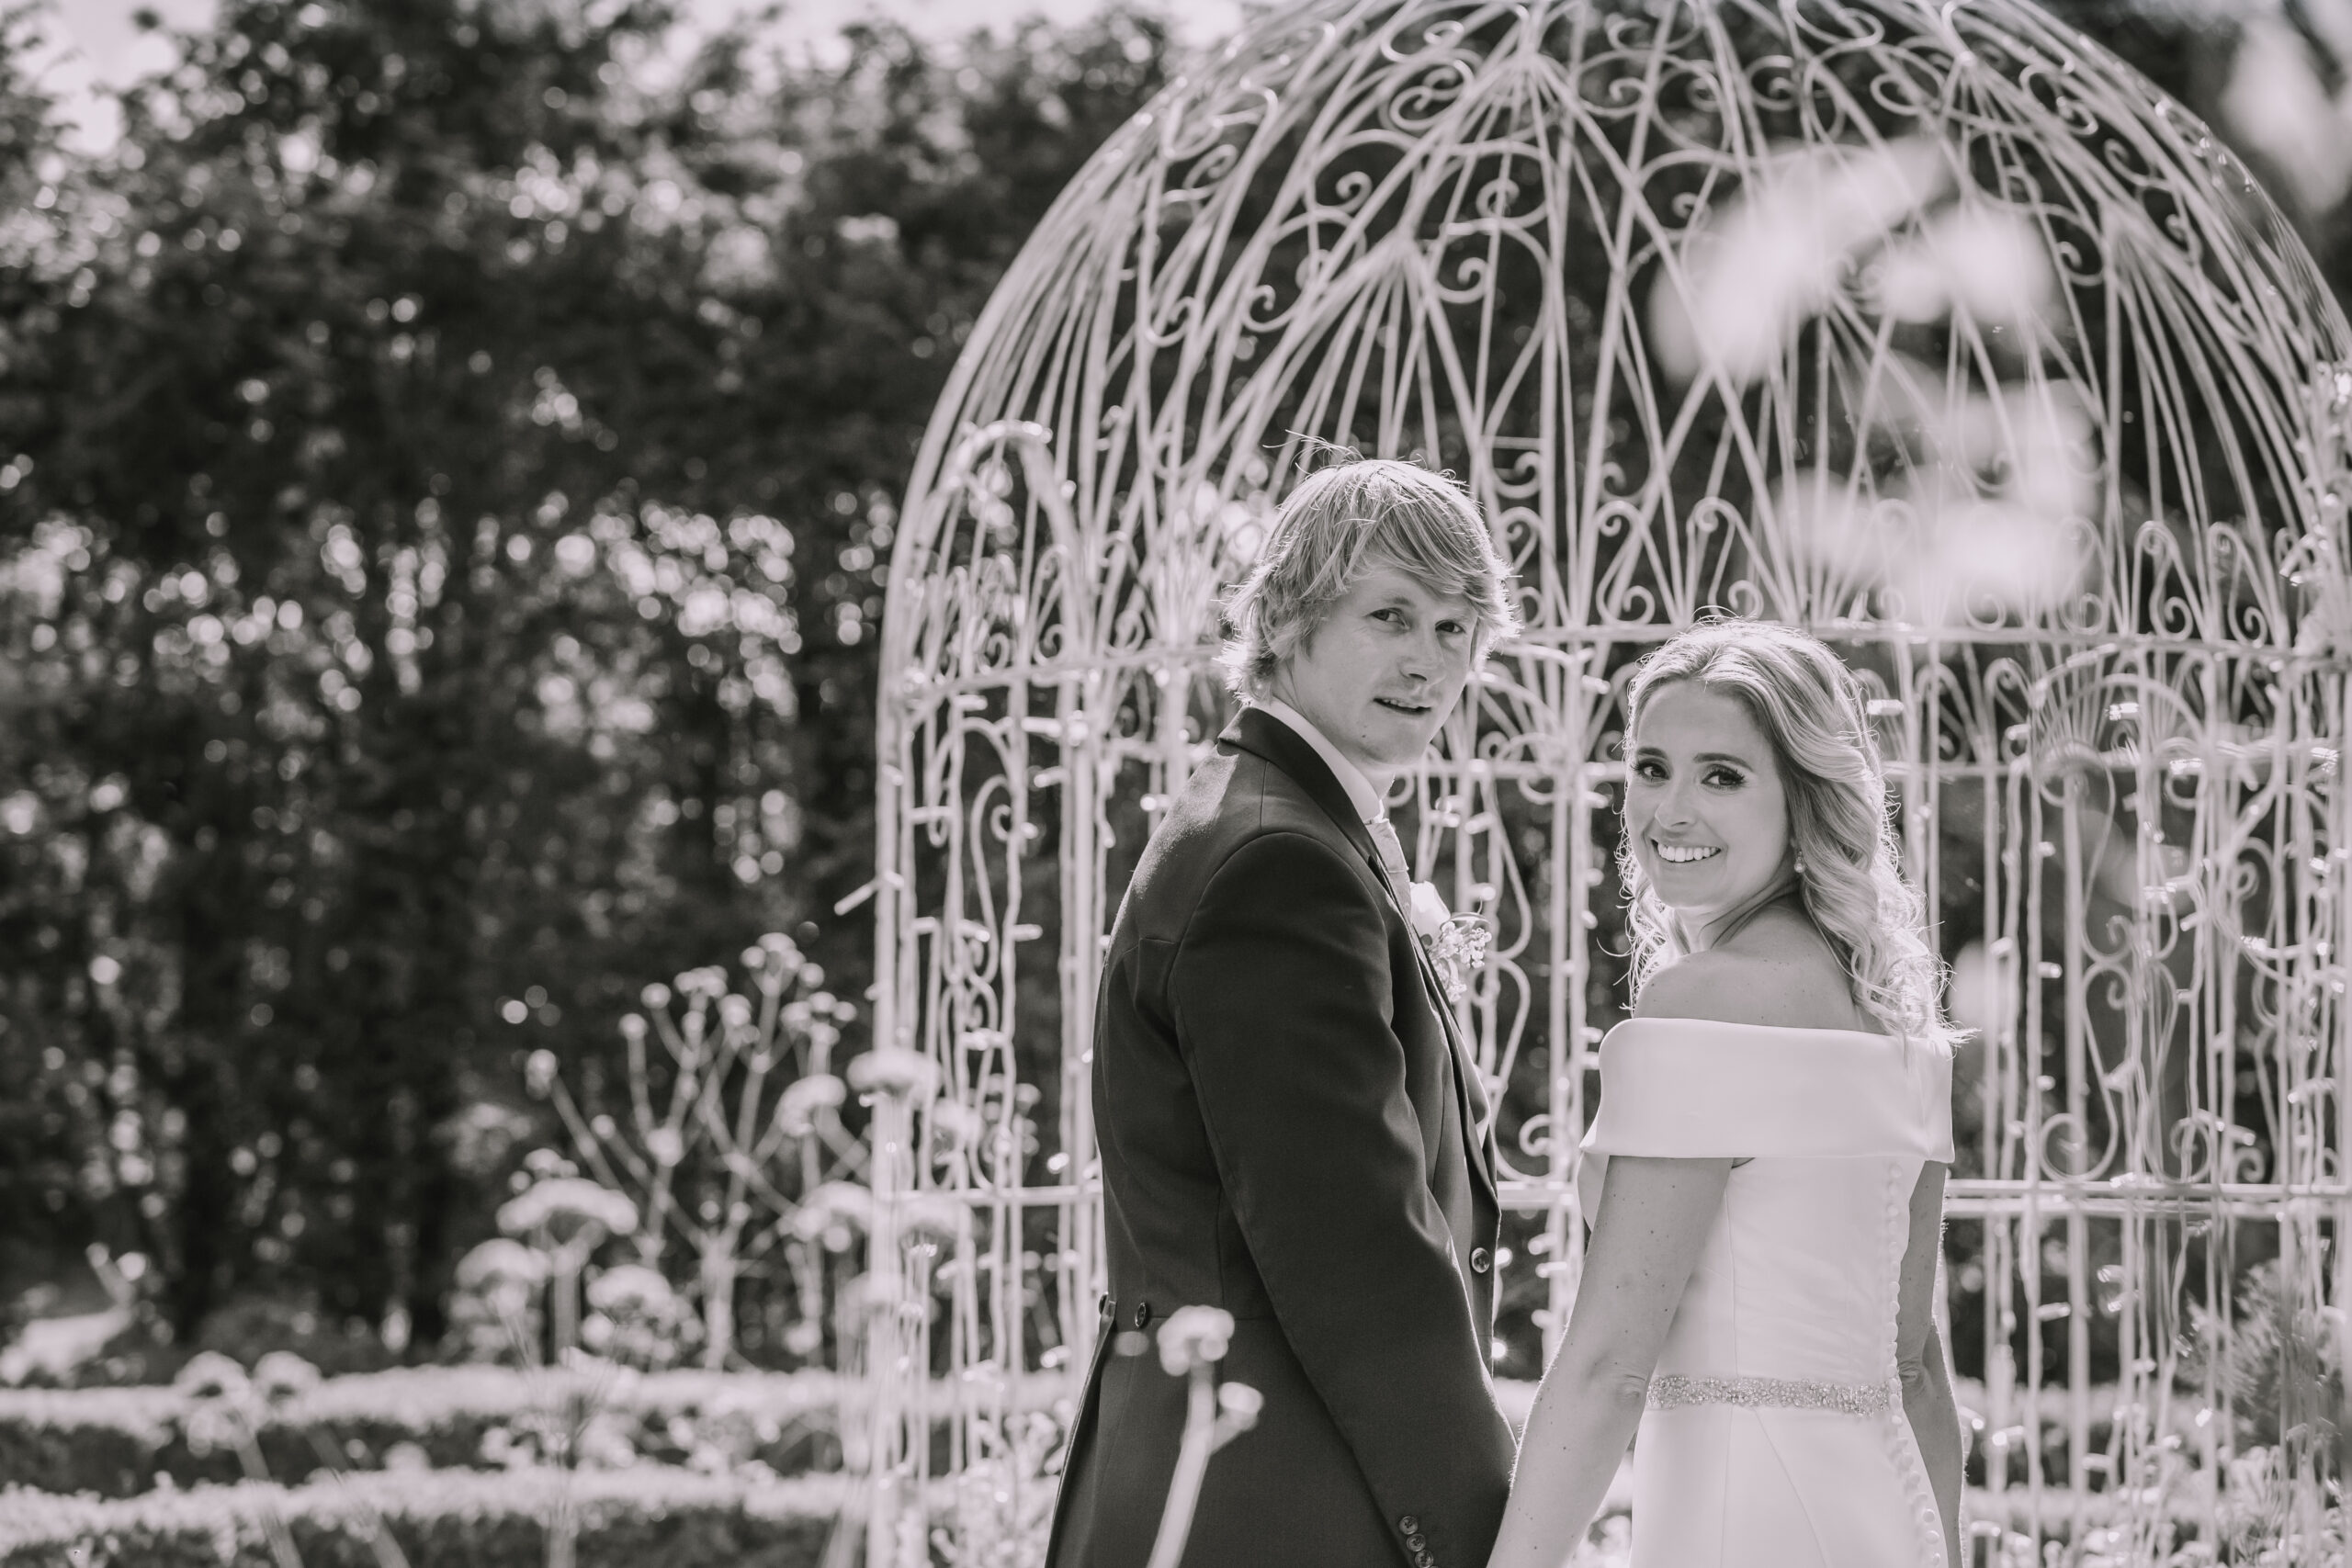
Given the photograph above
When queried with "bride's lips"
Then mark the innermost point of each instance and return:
(1706, 852)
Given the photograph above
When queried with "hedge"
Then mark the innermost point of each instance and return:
(631, 1518)
(635, 1519)
(117, 1442)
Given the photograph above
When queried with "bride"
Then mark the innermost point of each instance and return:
(1766, 1172)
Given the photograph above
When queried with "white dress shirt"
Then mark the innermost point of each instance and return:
(1361, 795)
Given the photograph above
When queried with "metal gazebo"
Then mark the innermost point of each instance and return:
(1930, 328)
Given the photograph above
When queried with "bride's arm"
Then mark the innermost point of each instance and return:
(1920, 1356)
(1654, 1216)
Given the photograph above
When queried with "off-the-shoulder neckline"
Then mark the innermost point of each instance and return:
(1763, 1027)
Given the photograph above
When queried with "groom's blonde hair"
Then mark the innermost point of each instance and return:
(1339, 522)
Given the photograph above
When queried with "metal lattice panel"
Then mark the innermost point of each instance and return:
(2036, 421)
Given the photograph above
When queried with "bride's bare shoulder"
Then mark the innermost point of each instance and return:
(1768, 976)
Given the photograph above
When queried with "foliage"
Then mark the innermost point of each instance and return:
(2274, 82)
(2277, 1367)
(121, 1442)
(495, 1312)
(450, 1519)
(451, 459)
(1000, 1512)
(736, 1119)
(2271, 1366)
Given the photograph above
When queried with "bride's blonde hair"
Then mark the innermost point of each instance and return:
(1813, 710)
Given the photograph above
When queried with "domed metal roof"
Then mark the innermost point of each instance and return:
(1904, 315)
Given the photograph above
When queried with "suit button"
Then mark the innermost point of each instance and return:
(1143, 1313)
(1423, 1559)
(1416, 1542)
(1409, 1525)
(1103, 1306)
(1481, 1260)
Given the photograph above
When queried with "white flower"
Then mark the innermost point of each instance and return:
(933, 1218)
(1777, 254)
(957, 1125)
(631, 1290)
(573, 1202)
(211, 1375)
(891, 1069)
(833, 1215)
(1194, 1336)
(803, 1098)
(2275, 101)
(282, 1375)
(498, 1261)
(1430, 913)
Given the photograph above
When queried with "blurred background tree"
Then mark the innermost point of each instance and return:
(452, 452)
(449, 454)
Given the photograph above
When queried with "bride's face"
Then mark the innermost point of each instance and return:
(1704, 803)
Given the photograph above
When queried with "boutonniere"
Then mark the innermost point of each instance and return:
(1456, 944)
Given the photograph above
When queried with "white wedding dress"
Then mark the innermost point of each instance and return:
(1775, 1435)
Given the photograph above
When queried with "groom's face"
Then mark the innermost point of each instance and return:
(1383, 670)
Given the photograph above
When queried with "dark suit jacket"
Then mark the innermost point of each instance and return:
(1286, 1133)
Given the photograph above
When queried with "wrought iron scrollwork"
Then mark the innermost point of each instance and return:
(1492, 236)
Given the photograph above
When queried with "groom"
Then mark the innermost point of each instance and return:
(1289, 1127)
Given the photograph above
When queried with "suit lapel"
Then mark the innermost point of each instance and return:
(1265, 736)
(1474, 1127)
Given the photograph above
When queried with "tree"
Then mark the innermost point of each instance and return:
(455, 484)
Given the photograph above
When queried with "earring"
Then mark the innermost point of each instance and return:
(1798, 867)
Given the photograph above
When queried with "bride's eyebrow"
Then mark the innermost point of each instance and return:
(1703, 757)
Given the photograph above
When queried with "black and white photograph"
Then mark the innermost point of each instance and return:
(1175, 784)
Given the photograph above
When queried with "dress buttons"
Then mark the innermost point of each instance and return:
(1481, 1260)
(1409, 1525)
(1143, 1313)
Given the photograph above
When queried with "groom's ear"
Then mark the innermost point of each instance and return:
(1278, 674)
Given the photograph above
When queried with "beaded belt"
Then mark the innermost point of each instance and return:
(1671, 1391)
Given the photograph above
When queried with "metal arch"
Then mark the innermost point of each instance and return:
(1415, 226)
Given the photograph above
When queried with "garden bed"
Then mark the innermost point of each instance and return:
(633, 1519)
